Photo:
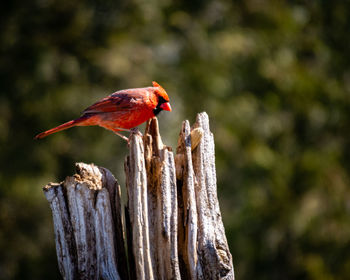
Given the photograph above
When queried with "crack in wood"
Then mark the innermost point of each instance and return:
(171, 227)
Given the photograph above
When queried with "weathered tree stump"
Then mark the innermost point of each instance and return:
(172, 227)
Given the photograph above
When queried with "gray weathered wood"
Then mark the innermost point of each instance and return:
(213, 250)
(114, 191)
(136, 183)
(65, 245)
(83, 221)
(172, 228)
(162, 201)
(185, 177)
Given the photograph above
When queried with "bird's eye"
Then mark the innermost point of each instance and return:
(161, 100)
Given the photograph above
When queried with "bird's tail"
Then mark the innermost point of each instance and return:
(78, 121)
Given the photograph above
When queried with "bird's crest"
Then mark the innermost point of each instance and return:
(161, 91)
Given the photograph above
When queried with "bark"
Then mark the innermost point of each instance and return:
(172, 226)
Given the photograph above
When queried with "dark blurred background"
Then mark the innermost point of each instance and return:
(273, 76)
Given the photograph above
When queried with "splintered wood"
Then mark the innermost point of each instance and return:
(86, 213)
(172, 226)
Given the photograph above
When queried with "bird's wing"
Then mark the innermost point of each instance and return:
(124, 100)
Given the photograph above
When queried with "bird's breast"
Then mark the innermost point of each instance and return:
(127, 120)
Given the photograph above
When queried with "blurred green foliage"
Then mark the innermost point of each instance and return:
(274, 77)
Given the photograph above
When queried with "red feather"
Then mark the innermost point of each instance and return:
(123, 109)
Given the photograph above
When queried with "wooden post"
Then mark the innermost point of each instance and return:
(172, 228)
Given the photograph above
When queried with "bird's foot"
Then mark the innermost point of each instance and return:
(135, 130)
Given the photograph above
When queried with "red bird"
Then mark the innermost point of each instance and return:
(121, 110)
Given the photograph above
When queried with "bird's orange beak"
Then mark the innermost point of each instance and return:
(165, 106)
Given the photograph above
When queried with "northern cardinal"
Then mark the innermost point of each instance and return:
(121, 111)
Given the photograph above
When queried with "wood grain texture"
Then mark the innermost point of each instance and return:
(136, 183)
(64, 238)
(119, 237)
(189, 222)
(171, 227)
(162, 202)
(82, 215)
(213, 250)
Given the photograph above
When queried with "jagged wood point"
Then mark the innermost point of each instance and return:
(171, 227)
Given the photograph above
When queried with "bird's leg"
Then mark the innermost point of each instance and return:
(122, 136)
(116, 129)
(133, 130)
